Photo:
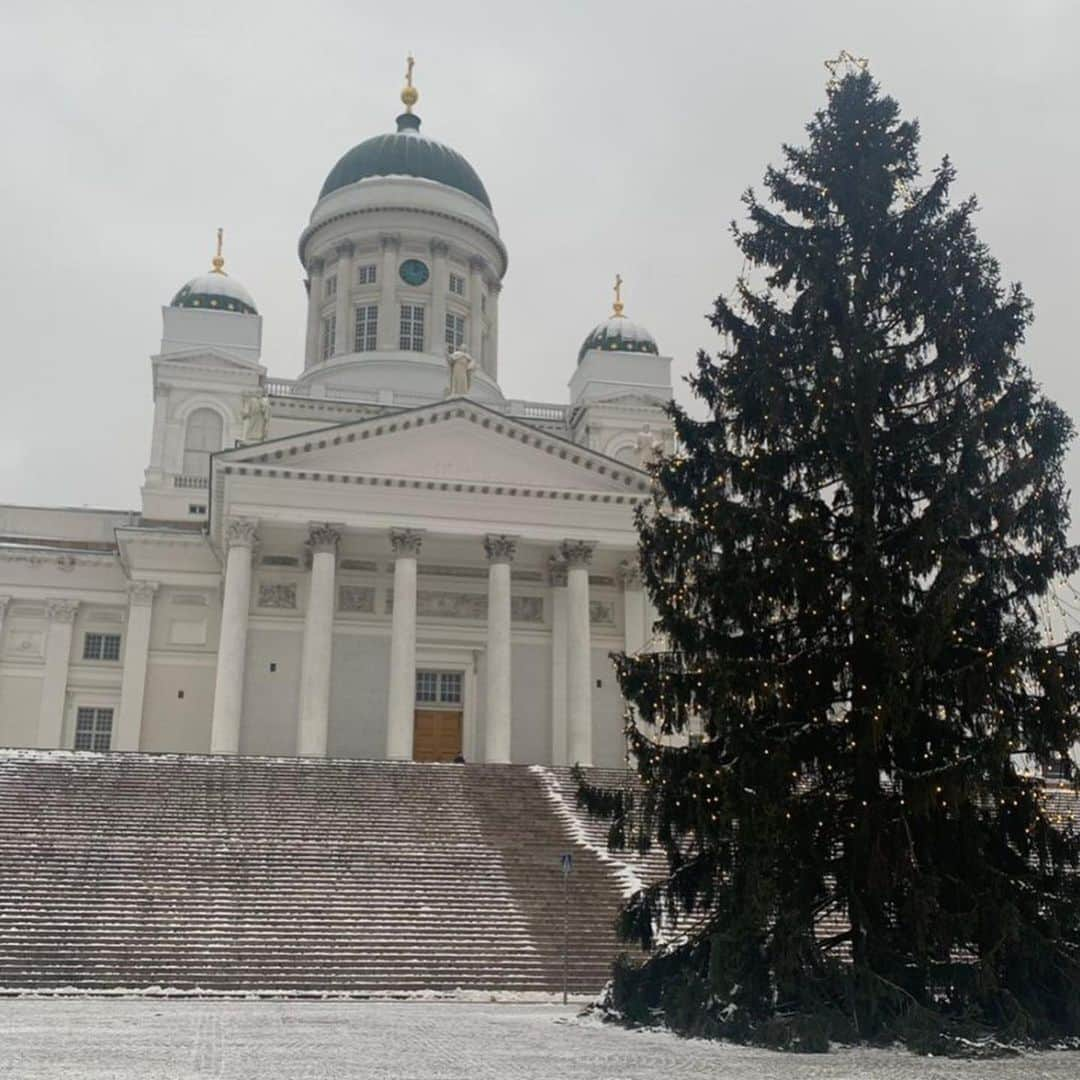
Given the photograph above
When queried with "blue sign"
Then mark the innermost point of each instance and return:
(567, 863)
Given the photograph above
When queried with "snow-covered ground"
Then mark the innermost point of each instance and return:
(93, 1039)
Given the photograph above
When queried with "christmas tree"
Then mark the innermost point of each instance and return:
(848, 557)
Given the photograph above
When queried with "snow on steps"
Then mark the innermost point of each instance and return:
(249, 876)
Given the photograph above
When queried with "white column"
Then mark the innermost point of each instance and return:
(314, 314)
(389, 316)
(500, 554)
(634, 633)
(54, 685)
(136, 657)
(240, 536)
(557, 580)
(343, 340)
(440, 288)
(318, 648)
(401, 706)
(4, 601)
(577, 554)
(494, 289)
(476, 317)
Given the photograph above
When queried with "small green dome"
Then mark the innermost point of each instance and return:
(215, 291)
(619, 334)
(406, 152)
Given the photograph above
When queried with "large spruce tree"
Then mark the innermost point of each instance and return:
(848, 558)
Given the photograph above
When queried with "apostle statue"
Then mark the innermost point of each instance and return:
(462, 365)
(255, 416)
(648, 445)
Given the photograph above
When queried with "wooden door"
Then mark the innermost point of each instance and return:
(436, 735)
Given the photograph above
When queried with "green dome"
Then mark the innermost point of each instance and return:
(406, 152)
(619, 334)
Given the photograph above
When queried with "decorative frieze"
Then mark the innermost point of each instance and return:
(436, 604)
(357, 599)
(61, 611)
(601, 613)
(277, 594)
(527, 609)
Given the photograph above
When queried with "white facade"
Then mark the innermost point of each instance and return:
(305, 548)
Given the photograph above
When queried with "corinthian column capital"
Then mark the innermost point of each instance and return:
(499, 548)
(241, 532)
(577, 553)
(322, 536)
(406, 542)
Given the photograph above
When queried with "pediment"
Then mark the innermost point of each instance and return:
(454, 443)
(206, 356)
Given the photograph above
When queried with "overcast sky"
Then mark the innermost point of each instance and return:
(610, 136)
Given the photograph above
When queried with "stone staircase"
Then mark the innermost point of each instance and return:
(298, 877)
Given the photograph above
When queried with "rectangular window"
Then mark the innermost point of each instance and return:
(365, 275)
(455, 330)
(439, 687)
(483, 302)
(330, 287)
(427, 686)
(101, 647)
(367, 322)
(457, 284)
(329, 332)
(411, 338)
(93, 728)
(196, 508)
(450, 687)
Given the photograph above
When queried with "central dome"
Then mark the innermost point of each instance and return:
(406, 152)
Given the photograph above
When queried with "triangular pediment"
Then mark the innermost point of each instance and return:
(208, 356)
(455, 442)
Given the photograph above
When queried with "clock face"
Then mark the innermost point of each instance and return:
(413, 272)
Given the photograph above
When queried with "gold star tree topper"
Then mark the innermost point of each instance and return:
(845, 64)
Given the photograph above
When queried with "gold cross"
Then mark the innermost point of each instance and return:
(218, 261)
(618, 305)
(409, 62)
(844, 65)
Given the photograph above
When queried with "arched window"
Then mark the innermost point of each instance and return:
(203, 438)
(627, 454)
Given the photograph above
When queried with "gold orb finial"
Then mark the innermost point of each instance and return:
(217, 264)
(617, 307)
(409, 94)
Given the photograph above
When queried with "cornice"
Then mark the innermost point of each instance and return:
(311, 230)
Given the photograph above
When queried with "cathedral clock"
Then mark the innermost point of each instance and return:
(413, 272)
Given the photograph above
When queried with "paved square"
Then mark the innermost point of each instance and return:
(185, 1040)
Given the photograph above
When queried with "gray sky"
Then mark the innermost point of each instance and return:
(610, 136)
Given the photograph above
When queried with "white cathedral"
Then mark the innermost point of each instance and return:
(383, 558)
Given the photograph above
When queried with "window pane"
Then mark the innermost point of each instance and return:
(110, 647)
(92, 647)
(450, 687)
(427, 686)
(103, 729)
(84, 729)
(329, 332)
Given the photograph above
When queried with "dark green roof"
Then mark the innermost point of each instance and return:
(406, 152)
